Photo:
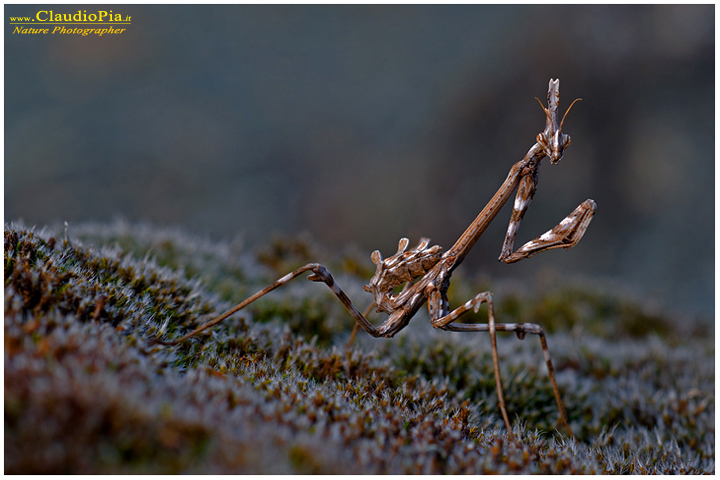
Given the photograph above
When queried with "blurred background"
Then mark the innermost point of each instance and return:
(363, 124)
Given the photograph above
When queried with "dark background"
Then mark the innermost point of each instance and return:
(363, 124)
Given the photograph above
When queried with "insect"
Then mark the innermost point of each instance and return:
(424, 271)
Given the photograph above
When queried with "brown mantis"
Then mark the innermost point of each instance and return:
(424, 272)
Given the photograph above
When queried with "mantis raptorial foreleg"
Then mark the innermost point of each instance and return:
(565, 234)
(525, 193)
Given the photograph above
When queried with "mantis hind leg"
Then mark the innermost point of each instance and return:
(357, 325)
(318, 274)
(445, 322)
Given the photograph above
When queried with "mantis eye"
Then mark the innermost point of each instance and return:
(566, 141)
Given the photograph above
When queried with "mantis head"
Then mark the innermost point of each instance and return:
(552, 139)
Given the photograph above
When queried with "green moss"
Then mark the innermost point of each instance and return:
(273, 389)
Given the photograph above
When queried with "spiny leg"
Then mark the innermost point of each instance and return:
(446, 323)
(319, 274)
(525, 193)
(565, 234)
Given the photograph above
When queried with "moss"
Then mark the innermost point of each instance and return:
(273, 389)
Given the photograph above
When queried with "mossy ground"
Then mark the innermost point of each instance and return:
(274, 390)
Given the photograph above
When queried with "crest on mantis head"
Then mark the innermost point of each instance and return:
(552, 139)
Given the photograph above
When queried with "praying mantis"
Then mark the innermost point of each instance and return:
(424, 272)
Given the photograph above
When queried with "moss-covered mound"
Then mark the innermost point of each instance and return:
(273, 389)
